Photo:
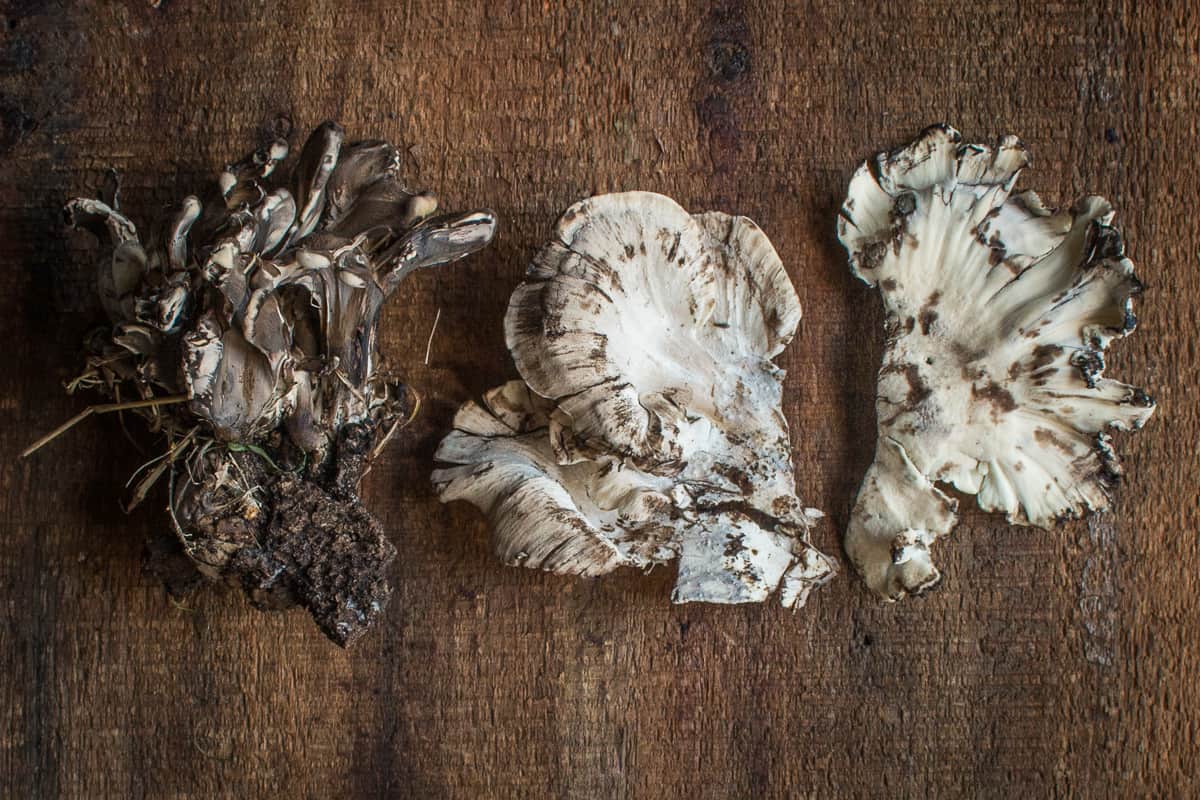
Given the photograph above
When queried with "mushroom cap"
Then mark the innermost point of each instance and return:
(585, 518)
(638, 314)
(269, 297)
(649, 422)
(998, 314)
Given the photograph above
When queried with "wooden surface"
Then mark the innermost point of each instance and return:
(1057, 663)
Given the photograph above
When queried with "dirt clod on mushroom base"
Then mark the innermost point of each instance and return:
(243, 330)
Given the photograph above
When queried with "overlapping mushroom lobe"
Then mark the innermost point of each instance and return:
(260, 308)
(998, 314)
(649, 422)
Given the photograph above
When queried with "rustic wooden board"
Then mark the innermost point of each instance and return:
(1055, 662)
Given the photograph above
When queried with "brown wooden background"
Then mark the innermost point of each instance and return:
(1050, 663)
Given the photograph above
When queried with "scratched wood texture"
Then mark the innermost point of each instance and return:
(1057, 663)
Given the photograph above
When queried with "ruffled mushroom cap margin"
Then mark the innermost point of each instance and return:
(259, 305)
(999, 311)
(648, 424)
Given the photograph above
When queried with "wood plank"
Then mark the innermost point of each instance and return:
(1049, 663)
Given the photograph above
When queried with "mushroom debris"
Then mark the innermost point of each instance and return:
(245, 331)
(647, 426)
(998, 314)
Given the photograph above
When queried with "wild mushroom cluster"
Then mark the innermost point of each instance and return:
(245, 331)
(647, 426)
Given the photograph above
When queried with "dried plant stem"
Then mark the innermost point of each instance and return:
(397, 425)
(103, 408)
(429, 345)
(166, 460)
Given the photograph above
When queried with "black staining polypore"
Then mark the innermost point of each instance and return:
(1005, 392)
(254, 319)
(658, 431)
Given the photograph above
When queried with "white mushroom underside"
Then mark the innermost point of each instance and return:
(998, 312)
(648, 426)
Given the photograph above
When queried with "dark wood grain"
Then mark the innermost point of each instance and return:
(1050, 663)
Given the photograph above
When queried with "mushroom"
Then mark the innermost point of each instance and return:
(998, 314)
(648, 424)
(246, 332)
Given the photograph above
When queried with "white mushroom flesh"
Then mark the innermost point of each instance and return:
(648, 426)
(998, 314)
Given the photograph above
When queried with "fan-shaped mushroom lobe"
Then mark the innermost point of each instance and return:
(998, 314)
(261, 309)
(644, 336)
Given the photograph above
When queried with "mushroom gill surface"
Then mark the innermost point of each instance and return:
(647, 426)
(998, 313)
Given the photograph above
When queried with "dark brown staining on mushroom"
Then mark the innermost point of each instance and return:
(905, 204)
(918, 390)
(969, 359)
(1104, 242)
(1044, 355)
(1040, 366)
(928, 315)
(1048, 438)
(599, 353)
(674, 247)
(736, 476)
(1140, 398)
(1000, 398)
(735, 545)
(872, 255)
(888, 284)
(1109, 473)
(997, 255)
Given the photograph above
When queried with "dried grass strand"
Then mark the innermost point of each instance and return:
(103, 408)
